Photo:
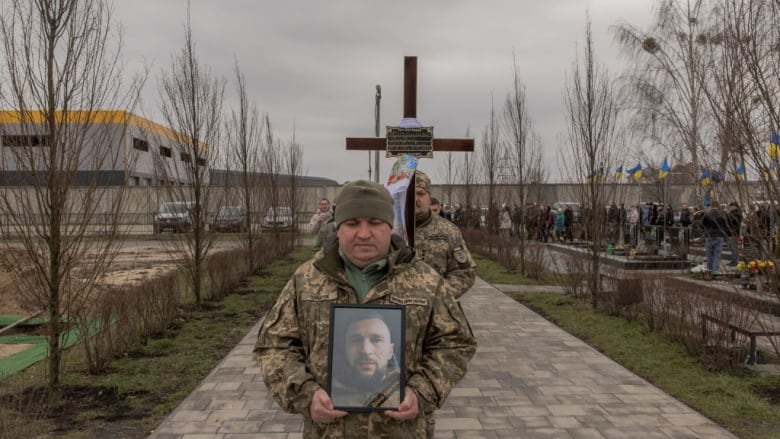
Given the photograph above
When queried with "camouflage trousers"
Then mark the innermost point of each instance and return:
(430, 425)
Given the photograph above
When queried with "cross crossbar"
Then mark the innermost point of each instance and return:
(410, 112)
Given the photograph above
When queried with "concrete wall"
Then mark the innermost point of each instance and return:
(142, 202)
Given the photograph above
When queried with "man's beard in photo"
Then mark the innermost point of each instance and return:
(367, 383)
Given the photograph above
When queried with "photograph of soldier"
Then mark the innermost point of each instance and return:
(364, 366)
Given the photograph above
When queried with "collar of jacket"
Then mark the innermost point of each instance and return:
(424, 219)
(329, 262)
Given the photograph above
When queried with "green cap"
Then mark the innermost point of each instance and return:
(364, 199)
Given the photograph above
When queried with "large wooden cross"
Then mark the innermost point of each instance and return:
(410, 119)
(410, 112)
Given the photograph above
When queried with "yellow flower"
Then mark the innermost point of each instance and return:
(756, 266)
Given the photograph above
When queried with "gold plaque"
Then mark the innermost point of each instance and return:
(415, 141)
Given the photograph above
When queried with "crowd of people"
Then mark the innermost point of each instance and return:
(566, 223)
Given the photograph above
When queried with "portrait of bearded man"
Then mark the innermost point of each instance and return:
(368, 374)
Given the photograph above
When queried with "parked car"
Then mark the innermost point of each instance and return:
(279, 218)
(175, 216)
(229, 219)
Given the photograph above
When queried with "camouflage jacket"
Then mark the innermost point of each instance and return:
(292, 347)
(327, 229)
(348, 395)
(438, 243)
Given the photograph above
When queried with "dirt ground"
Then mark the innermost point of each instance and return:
(138, 260)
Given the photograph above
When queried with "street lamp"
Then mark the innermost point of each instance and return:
(376, 132)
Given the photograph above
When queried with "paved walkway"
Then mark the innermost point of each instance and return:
(529, 379)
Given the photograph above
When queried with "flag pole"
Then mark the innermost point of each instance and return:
(639, 222)
(666, 193)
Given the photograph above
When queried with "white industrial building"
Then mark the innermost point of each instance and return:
(136, 146)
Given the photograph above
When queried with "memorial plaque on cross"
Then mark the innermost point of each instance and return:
(410, 137)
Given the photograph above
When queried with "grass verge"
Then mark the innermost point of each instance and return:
(745, 403)
(147, 384)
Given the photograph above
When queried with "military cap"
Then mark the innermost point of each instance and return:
(364, 199)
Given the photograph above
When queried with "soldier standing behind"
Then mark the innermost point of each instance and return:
(365, 265)
(440, 244)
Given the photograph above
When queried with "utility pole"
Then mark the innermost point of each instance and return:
(376, 133)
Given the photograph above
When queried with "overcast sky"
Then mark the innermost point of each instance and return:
(313, 66)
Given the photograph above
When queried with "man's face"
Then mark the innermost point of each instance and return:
(369, 348)
(435, 209)
(324, 205)
(364, 240)
(422, 201)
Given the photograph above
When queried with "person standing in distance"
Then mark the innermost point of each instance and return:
(715, 226)
(733, 232)
(439, 243)
(364, 265)
(321, 216)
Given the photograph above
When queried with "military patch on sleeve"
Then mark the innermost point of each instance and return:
(409, 301)
(319, 296)
(459, 254)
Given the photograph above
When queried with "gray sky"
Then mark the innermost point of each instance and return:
(314, 65)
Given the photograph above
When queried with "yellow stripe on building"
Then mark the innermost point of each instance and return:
(119, 117)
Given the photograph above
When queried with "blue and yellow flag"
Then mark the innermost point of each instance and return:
(774, 146)
(636, 171)
(592, 176)
(664, 171)
(597, 175)
(704, 178)
(740, 174)
(619, 173)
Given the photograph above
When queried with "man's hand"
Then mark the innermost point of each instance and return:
(408, 409)
(321, 408)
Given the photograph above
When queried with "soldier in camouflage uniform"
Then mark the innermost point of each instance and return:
(439, 243)
(364, 265)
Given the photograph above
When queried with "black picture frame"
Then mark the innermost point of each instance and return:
(355, 353)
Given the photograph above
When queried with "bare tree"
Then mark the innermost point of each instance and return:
(293, 161)
(244, 137)
(59, 57)
(666, 86)
(191, 104)
(448, 172)
(469, 177)
(271, 166)
(592, 113)
(743, 97)
(524, 145)
(538, 174)
(491, 155)
(727, 92)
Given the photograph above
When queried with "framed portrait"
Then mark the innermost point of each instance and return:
(366, 357)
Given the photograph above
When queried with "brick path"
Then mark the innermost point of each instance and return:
(529, 379)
